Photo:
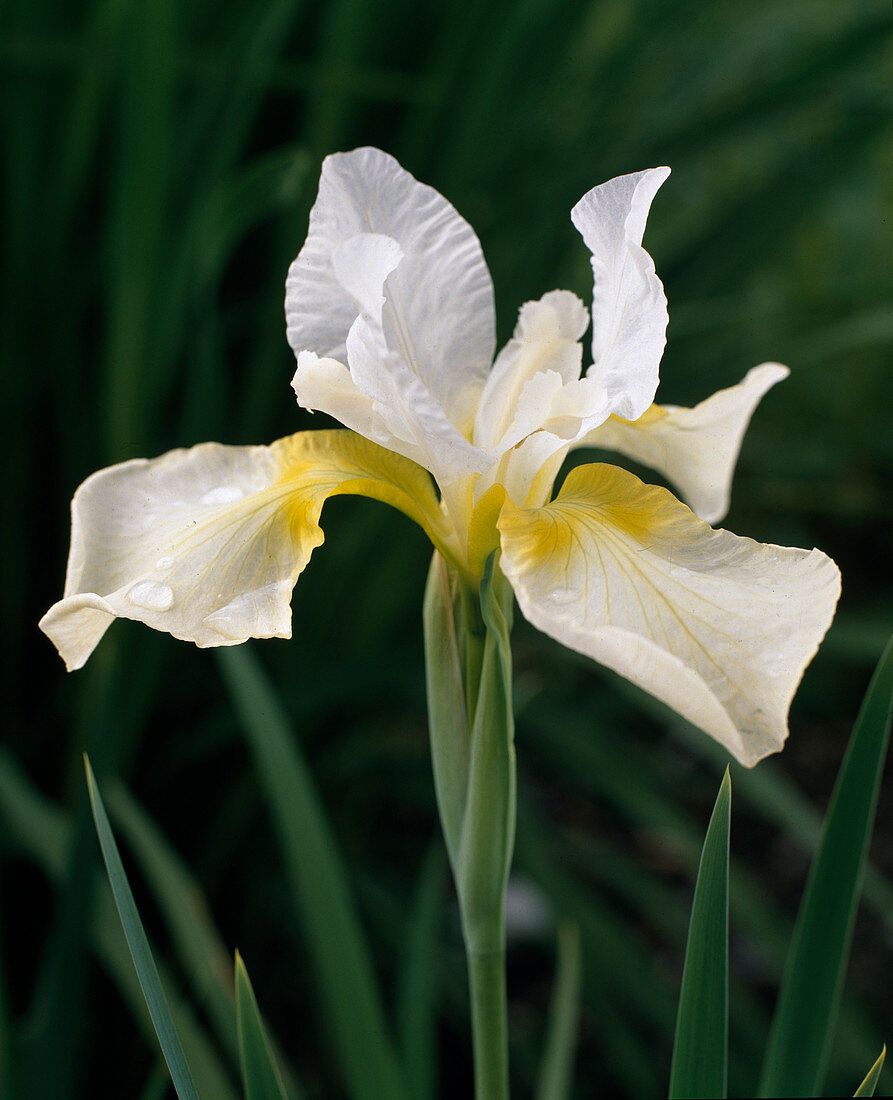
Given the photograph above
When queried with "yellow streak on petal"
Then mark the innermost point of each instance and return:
(652, 415)
(483, 535)
(719, 627)
(317, 465)
(207, 543)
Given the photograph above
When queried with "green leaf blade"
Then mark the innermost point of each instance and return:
(418, 989)
(338, 948)
(802, 1029)
(700, 1048)
(556, 1072)
(140, 950)
(260, 1076)
(871, 1078)
(179, 898)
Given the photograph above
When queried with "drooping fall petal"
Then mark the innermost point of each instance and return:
(719, 627)
(629, 308)
(696, 449)
(207, 543)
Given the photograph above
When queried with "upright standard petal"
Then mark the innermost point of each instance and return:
(535, 404)
(719, 627)
(207, 543)
(696, 449)
(440, 294)
(629, 308)
(545, 343)
(417, 423)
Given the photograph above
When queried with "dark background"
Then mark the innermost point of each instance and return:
(159, 162)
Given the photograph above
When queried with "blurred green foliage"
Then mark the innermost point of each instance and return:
(160, 160)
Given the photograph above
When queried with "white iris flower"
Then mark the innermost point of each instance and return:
(390, 313)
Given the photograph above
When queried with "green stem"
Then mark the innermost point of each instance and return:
(486, 980)
(472, 641)
(469, 673)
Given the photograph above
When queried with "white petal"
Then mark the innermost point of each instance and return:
(561, 415)
(545, 342)
(535, 404)
(696, 449)
(325, 385)
(416, 423)
(207, 543)
(440, 295)
(361, 264)
(527, 472)
(719, 627)
(629, 309)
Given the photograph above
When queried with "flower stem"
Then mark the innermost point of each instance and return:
(469, 672)
(486, 980)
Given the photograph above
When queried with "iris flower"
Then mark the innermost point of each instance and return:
(390, 312)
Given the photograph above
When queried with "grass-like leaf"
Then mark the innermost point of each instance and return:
(871, 1078)
(556, 1072)
(139, 948)
(260, 1074)
(138, 238)
(802, 1028)
(339, 950)
(180, 899)
(611, 953)
(777, 798)
(45, 833)
(417, 991)
(700, 1048)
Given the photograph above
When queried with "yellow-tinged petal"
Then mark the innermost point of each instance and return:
(207, 543)
(695, 449)
(483, 537)
(719, 627)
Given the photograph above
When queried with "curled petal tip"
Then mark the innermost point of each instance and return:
(629, 308)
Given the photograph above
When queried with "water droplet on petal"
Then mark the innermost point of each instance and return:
(251, 614)
(562, 596)
(164, 563)
(223, 494)
(151, 596)
(229, 621)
